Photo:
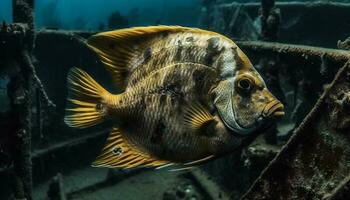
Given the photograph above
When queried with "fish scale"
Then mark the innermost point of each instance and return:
(166, 56)
(156, 108)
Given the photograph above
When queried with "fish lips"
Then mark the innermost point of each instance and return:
(273, 110)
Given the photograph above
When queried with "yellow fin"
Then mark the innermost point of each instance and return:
(117, 48)
(117, 152)
(197, 117)
(84, 93)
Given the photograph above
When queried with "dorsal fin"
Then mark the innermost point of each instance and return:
(117, 152)
(120, 50)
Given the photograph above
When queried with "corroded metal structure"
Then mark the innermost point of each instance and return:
(317, 158)
(308, 166)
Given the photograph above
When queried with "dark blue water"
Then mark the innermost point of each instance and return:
(94, 14)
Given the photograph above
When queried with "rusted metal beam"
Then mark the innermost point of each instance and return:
(61, 156)
(341, 192)
(316, 159)
(302, 51)
(72, 143)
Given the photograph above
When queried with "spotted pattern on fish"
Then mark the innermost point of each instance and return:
(159, 119)
(182, 96)
(205, 49)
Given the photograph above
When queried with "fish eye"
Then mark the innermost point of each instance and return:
(244, 84)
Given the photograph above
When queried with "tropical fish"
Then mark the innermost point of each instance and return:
(188, 96)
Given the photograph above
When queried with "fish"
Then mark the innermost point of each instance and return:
(187, 96)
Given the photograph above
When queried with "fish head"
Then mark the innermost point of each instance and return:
(243, 101)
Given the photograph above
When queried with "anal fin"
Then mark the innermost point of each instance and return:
(117, 152)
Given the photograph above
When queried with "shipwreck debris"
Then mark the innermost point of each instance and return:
(20, 90)
(184, 190)
(345, 45)
(270, 18)
(341, 192)
(17, 43)
(56, 189)
(303, 51)
(296, 19)
(315, 160)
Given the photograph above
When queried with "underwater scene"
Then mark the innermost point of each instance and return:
(174, 100)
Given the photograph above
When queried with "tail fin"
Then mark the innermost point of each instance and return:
(85, 96)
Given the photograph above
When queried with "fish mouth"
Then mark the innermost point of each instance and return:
(274, 109)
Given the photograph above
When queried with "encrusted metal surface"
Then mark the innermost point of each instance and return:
(306, 52)
(317, 158)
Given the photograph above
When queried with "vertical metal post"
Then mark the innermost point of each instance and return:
(270, 20)
(21, 90)
(23, 13)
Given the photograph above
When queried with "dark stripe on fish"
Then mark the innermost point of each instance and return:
(156, 137)
(147, 54)
(213, 51)
(178, 54)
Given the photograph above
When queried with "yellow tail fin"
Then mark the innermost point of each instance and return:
(85, 97)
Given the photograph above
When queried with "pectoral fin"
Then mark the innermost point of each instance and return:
(198, 118)
(117, 152)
